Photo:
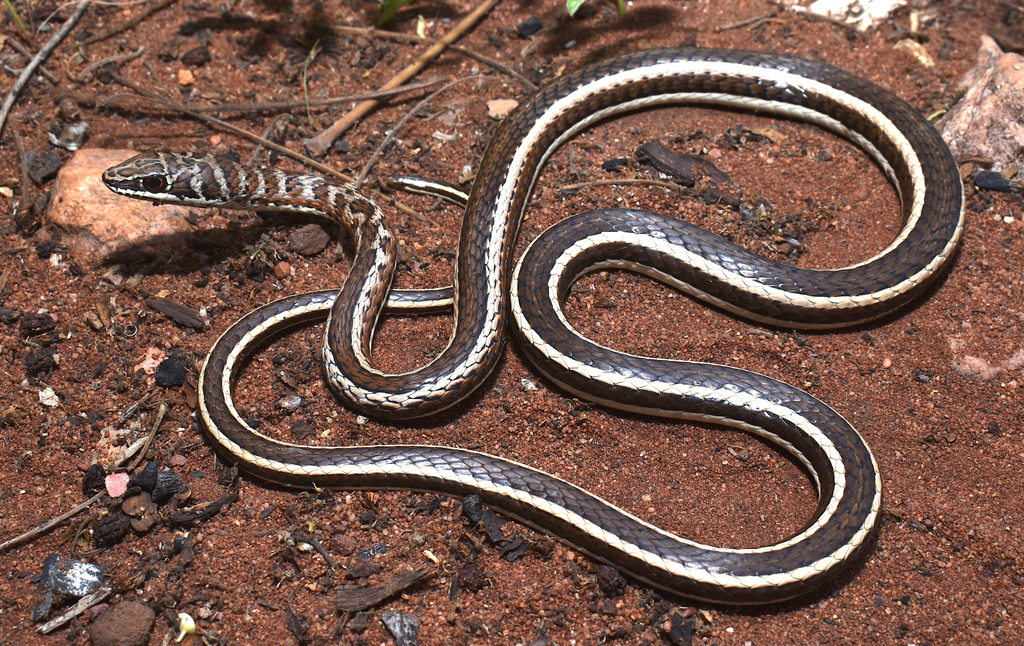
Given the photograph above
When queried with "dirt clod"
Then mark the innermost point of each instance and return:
(125, 624)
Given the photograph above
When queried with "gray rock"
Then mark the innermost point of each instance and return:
(71, 577)
(404, 628)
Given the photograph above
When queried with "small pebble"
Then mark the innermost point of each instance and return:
(359, 622)
(282, 270)
(289, 402)
(48, 398)
(499, 108)
(185, 77)
(308, 240)
(526, 385)
(197, 57)
(343, 544)
(42, 167)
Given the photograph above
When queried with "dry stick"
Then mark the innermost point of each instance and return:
(23, 210)
(83, 604)
(53, 522)
(615, 182)
(85, 74)
(271, 126)
(319, 144)
(230, 128)
(160, 412)
(50, 524)
(270, 106)
(30, 69)
(748, 21)
(817, 17)
(27, 53)
(398, 126)
(245, 134)
(3, 278)
(128, 24)
(411, 38)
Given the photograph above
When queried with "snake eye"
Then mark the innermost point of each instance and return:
(154, 183)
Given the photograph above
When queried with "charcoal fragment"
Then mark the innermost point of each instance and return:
(530, 26)
(472, 578)
(992, 181)
(9, 315)
(36, 324)
(111, 530)
(197, 57)
(167, 484)
(171, 373)
(146, 479)
(42, 167)
(93, 480)
(472, 508)
(41, 362)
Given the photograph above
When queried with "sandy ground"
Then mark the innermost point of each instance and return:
(946, 564)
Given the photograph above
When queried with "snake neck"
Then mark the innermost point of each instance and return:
(211, 180)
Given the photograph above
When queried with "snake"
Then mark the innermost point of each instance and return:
(493, 298)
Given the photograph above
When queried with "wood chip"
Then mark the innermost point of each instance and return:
(357, 598)
(180, 314)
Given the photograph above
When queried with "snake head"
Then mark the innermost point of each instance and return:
(182, 178)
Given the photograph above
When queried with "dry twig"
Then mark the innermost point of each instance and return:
(398, 126)
(756, 21)
(412, 38)
(319, 144)
(53, 522)
(27, 53)
(83, 604)
(568, 188)
(270, 106)
(85, 75)
(131, 22)
(245, 134)
(30, 69)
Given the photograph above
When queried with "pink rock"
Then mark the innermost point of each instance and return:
(150, 361)
(117, 484)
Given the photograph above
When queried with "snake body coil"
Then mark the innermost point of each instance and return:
(487, 291)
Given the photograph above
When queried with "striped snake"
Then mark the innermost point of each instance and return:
(487, 290)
